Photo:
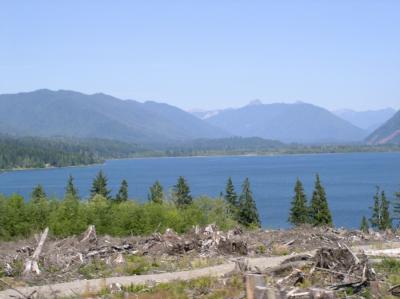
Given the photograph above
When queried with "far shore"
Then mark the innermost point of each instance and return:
(266, 154)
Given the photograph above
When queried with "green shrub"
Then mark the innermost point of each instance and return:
(70, 216)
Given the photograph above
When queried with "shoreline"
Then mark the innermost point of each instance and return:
(142, 157)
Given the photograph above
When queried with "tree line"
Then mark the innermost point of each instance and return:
(382, 216)
(40, 152)
(116, 215)
(317, 212)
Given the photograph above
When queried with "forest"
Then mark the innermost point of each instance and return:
(36, 152)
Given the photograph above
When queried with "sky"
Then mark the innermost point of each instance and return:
(206, 54)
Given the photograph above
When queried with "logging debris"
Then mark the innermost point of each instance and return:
(329, 270)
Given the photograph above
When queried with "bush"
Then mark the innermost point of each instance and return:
(70, 216)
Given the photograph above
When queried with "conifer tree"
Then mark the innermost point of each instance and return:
(320, 214)
(182, 193)
(70, 189)
(230, 194)
(99, 186)
(375, 219)
(38, 194)
(386, 220)
(364, 224)
(156, 193)
(299, 213)
(396, 209)
(122, 194)
(248, 214)
(38, 209)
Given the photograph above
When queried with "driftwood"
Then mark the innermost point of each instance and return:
(395, 290)
(31, 264)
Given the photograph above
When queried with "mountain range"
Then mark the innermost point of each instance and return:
(47, 113)
(298, 122)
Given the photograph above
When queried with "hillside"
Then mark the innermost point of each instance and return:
(39, 152)
(388, 133)
(299, 122)
(369, 120)
(67, 113)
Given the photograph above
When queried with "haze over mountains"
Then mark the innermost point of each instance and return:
(49, 113)
(68, 113)
(298, 122)
(368, 120)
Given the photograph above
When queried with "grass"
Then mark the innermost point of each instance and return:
(139, 265)
(207, 287)
(279, 249)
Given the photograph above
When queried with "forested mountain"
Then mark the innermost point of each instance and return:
(299, 122)
(369, 120)
(67, 113)
(388, 133)
(30, 152)
(222, 146)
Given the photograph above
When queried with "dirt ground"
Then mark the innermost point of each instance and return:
(89, 256)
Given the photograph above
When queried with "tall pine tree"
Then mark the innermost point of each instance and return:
(248, 214)
(299, 213)
(122, 194)
(231, 198)
(38, 194)
(364, 227)
(70, 190)
(99, 186)
(230, 194)
(386, 220)
(320, 214)
(182, 195)
(396, 209)
(375, 219)
(381, 218)
(156, 193)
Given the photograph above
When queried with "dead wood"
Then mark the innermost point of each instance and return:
(31, 264)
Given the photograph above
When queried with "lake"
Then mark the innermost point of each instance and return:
(349, 179)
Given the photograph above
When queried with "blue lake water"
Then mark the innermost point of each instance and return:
(349, 179)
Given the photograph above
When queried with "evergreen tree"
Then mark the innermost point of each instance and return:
(375, 219)
(364, 224)
(182, 193)
(248, 214)
(99, 186)
(386, 220)
(122, 194)
(396, 208)
(299, 211)
(320, 214)
(156, 193)
(38, 194)
(230, 194)
(70, 189)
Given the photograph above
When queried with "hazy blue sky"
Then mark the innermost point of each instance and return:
(206, 54)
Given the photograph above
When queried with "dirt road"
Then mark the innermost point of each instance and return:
(94, 285)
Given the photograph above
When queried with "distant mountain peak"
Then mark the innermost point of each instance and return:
(255, 102)
(296, 122)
